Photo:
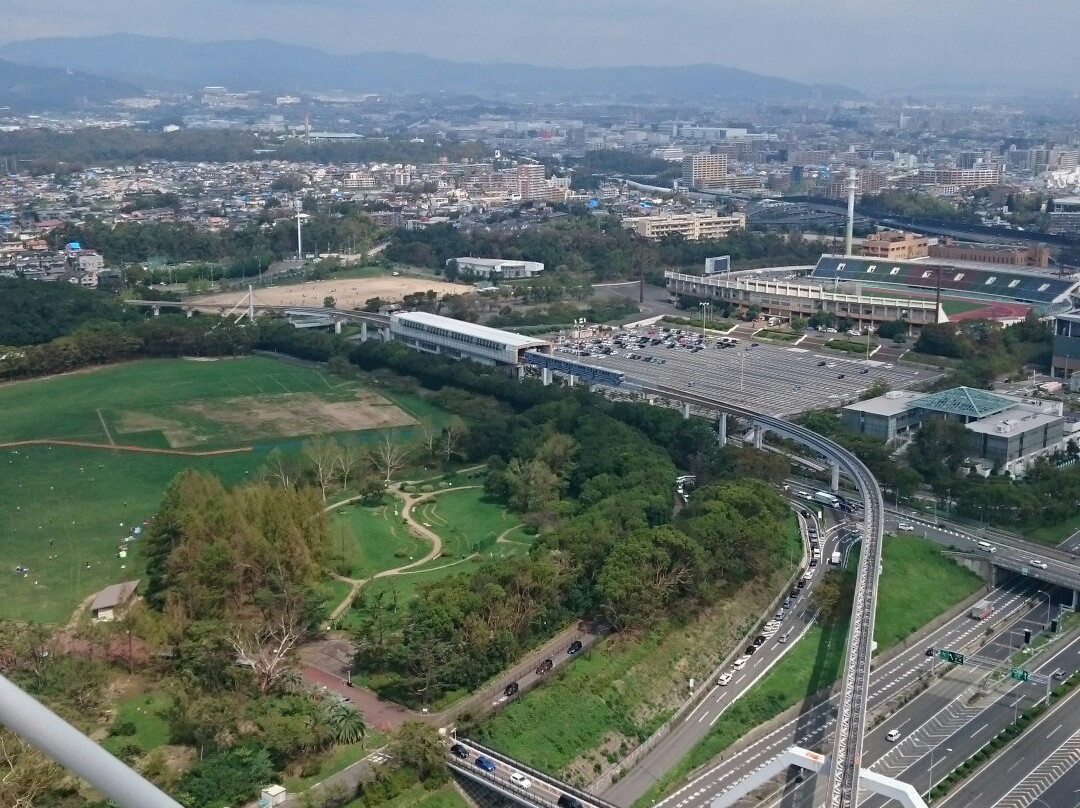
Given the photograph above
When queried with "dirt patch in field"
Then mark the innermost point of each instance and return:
(128, 422)
(292, 414)
(348, 293)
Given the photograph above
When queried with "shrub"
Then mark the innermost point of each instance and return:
(122, 729)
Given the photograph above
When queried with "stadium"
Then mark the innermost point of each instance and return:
(869, 291)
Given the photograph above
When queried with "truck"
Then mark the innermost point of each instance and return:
(835, 557)
(981, 610)
(825, 498)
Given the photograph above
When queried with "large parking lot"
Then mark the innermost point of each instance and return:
(775, 379)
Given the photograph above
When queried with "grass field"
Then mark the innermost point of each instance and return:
(782, 336)
(917, 584)
(1054, 534)
(144, 711)
(622, 690)
(466, 521)
(373, 539)
(850, 345)
(67, 508)
(445, 796)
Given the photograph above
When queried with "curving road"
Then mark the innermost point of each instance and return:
(854, 685)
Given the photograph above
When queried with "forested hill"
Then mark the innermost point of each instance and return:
(33, 312)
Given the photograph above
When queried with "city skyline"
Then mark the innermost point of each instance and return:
(905, 45)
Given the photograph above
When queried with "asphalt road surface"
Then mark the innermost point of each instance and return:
(812, 728)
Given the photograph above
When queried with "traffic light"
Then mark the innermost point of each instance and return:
(1027, 636)
(1054, 625)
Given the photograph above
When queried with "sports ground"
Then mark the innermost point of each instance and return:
(107, 442)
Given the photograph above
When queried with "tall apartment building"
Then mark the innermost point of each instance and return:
(691, 226)
(704, 170)
(531, 181)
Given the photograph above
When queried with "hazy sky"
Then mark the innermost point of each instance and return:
(868, 44)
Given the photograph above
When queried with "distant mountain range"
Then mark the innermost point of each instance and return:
(260, 64)
(25, 88)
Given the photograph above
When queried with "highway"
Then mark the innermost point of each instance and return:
(855, 680)
(890, 680)
(1046, 773)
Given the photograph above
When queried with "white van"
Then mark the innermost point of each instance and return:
(740, 663)
(987, 547)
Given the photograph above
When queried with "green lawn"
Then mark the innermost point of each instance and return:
(850, 345)
(374, 539)
(917, 584)
(466, 520)
(1054, 534)
(445, 796)
(144, 711)
(65, 507)
(337, 759)
(782, 336)
(69, 507)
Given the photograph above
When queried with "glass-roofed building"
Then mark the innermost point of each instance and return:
(1004, 430)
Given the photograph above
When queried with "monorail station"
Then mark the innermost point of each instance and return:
(457, 339)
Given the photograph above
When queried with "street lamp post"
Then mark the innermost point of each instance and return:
(930, 786)
(704, 308)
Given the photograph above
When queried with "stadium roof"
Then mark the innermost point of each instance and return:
(966, 401)
(507, 338)
(1005, 283)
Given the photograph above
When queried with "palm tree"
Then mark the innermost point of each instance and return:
(346, 723)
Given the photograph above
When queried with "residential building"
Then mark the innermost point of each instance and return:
(691, 226)
(895, 245)
(531, 182)
(108, 603)
(962, 177)
(1065, 215)
(704, 170)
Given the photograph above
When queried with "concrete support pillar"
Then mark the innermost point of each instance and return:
(156, 310)
(385, 332)
(337, 326)
(545, 376)
(1076, 592)
(363, 331)
(834, 482)
(759, 435)
(571, 380)
(520, 372)
(686, 409)
(189, 312)
(721, 429)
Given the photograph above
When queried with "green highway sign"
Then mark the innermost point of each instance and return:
(951, 656)
(1019, 674)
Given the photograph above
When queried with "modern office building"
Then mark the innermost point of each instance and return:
(1065, 357)
(1065, 215)
(458, 339)
(1003, 431)
(704, 170)
(691, 226)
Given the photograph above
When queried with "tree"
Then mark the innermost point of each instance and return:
(266, 649)
(453, 434)
(346, 723)
(280, 469)
(325, 457)
(389, 456)
(329, 302)
(419, 747)
(27, 775)
(349, 457)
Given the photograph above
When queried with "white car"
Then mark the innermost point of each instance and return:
(905, 526)
(808, 574)
(724, 678)
(740, 663)
(1036, 563)
(520, 780)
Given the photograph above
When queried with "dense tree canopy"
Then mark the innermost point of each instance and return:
(32, 312)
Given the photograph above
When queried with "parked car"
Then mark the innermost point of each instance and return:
(544, 667)
(760, 639)
(893, 735)
(487, 764)
(457, 750)
(751, 650)
(575, 646)
(725, 678)
(510, 689)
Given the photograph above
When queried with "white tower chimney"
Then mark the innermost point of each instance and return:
(852, 184)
